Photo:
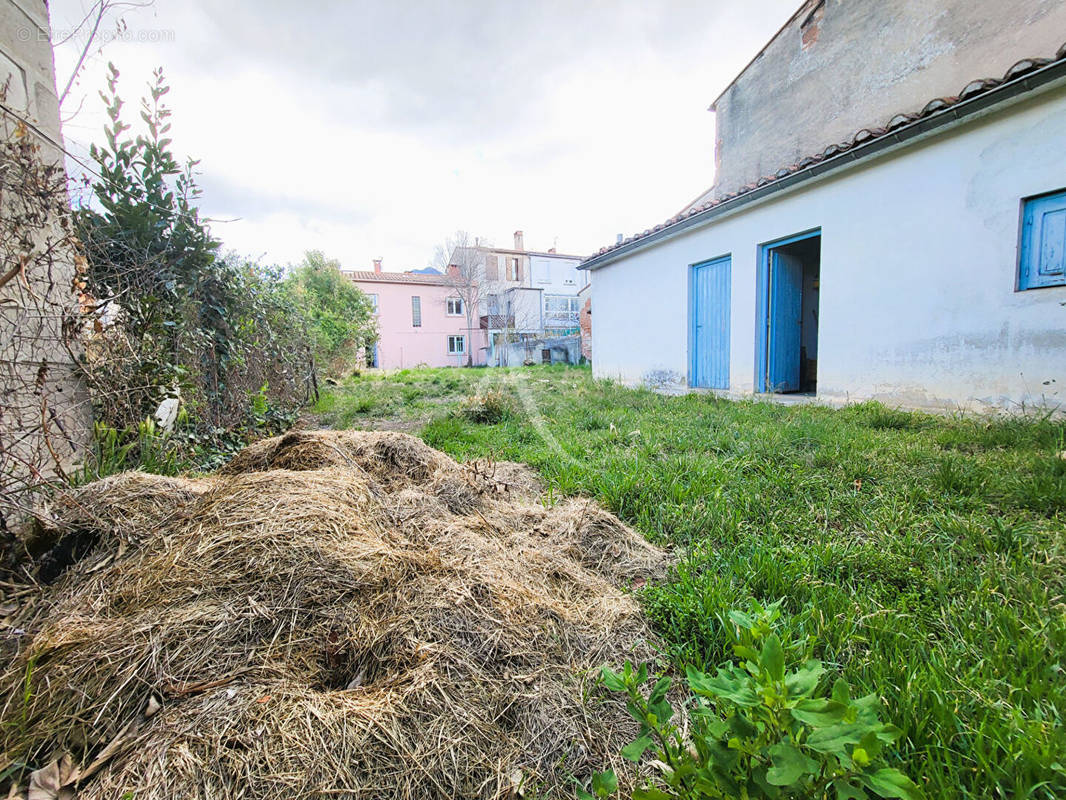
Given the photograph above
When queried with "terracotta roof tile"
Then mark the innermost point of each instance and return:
(977, 87)
(937, 105)
(367, 276)
(1024, 66)
(862, 136)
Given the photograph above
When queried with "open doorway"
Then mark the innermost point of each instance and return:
(789, 279)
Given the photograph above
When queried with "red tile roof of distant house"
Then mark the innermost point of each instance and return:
(368, 276)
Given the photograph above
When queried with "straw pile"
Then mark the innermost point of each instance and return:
(335, 614)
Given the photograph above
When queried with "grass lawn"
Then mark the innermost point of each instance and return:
(926, 555)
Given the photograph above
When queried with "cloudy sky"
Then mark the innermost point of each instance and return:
(377, 128)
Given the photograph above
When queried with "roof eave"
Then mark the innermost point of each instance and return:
(1043, 78)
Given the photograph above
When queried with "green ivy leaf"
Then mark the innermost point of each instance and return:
(773, 658)
(818, 713)
(871, 744)
(889, 733)
(662, 711)
(612, 680)
(724, 685)
(651, 793)
(745, 652)
(835, 738)
(845, 791)
(658, 692)
(805, 680)
(892, 783)
(789, 765)
(842, 692)
(758, 777)
(604, 784)
(742, 726)
(634, 750)
(742, 620)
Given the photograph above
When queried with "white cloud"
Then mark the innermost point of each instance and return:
(376, 129)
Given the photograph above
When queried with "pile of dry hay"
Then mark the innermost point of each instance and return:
(334, 614)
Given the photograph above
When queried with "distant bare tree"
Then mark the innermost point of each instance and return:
(519, 322)
(91, 30)
(462, 259)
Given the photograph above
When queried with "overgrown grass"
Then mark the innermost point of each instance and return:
(395, 399)
(926, 555)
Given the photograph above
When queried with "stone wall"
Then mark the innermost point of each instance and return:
(45, 420)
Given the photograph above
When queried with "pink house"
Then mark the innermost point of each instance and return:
(421, 320)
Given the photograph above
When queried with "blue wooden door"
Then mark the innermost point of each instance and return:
(709, 314)
(785, 321)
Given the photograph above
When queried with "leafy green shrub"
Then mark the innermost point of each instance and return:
(342, 321)
(169, 317)
(151, 448)
(759, 728)
(488, 408)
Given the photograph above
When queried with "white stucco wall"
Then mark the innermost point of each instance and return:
(556, 275)
(526, 307)
(918, 272)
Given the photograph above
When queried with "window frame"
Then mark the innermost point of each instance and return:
(373, 301)
(461, 339)
(448, 306)
(568, 305)
(416, 311)
(1028, 277)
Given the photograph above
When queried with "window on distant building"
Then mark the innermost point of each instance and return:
(373, 301)
(456, 345)
(416, 311)
(561, 306)
(1043, 251)
(455, 306)
(514, 269)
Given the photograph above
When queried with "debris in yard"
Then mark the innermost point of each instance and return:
(341, 614)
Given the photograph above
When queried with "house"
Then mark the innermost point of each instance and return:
(421, 320)
(526, 295)
(887, 221)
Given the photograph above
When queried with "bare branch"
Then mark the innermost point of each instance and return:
(97, 13)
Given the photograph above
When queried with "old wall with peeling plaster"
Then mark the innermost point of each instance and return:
(44, 405)
(842, 65)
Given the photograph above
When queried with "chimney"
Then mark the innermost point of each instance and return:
(551, 249)
(377, 265)
(519, 244)
(453, 271)
(619, 239)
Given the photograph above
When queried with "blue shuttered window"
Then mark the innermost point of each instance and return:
(1043, 251)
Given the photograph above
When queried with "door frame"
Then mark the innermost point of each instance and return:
(762, 301)
(692, 309)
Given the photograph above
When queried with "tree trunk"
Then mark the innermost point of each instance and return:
(469, 336)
